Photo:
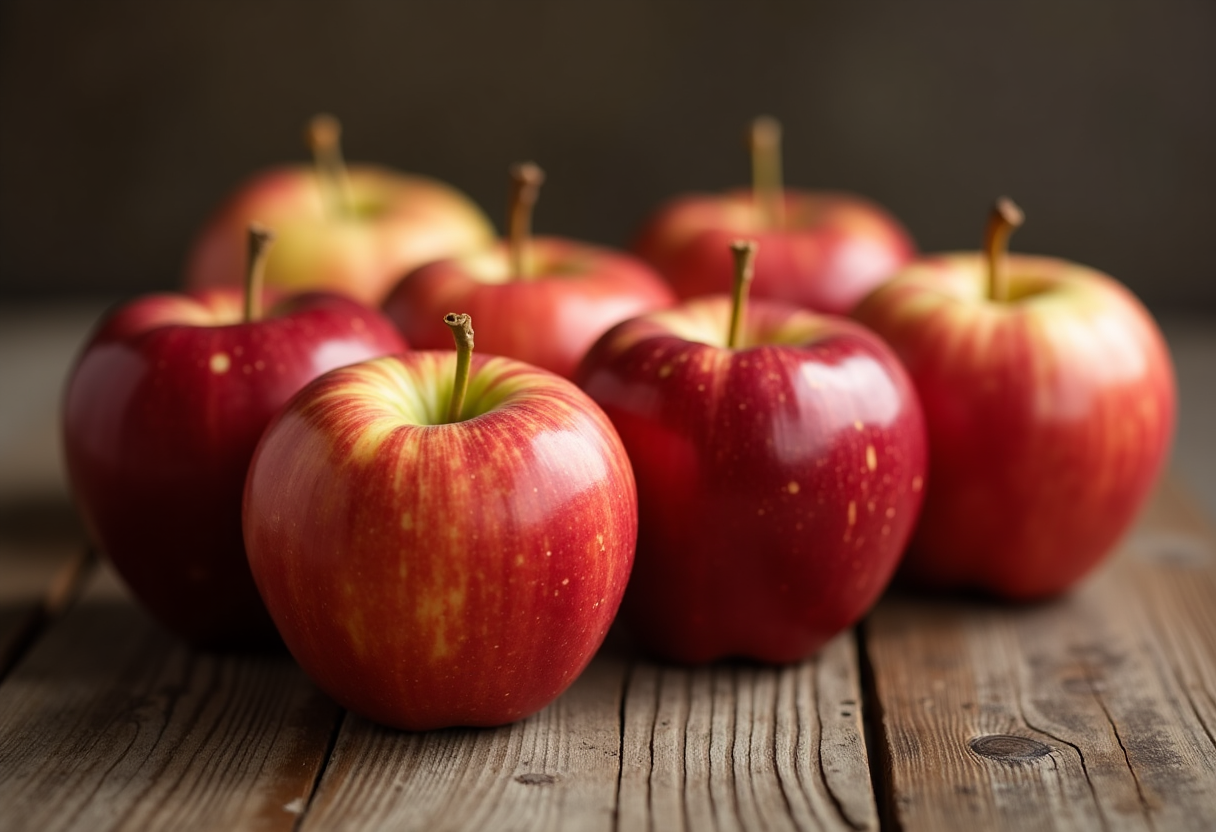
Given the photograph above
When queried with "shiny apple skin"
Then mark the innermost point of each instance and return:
(833, 249)
(1049, 417)
(162, 411)
(777, 483)
(576, 293)
(428, 575)
(401, 221)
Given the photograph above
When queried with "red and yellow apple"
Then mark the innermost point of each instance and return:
(779, 455)
(433, 558)
(163, 408)
(818, 249)
(354, 230)
(542, 300)
(1050, 402)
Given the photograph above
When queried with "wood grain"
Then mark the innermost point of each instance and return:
(556, 770)
(110, 723)
(1091, 712)
(735, 746)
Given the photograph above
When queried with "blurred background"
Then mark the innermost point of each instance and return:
(123, 123)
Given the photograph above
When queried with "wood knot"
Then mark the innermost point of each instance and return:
(533, 779)
(1009, 748)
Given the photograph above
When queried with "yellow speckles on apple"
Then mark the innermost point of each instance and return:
(599, 538)
(858, 426)
(918, 482)
(665, 371)
(700, 388)
(792, 487)
(852, 512)
(890, 512)
(565, 582)
(407, 521)
(519, 559)
(220, 363)
(259, 365)
(871, 458)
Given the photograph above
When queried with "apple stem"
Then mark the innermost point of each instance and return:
(255, 269)
(462, 330)
(767, 185)
(745, 257)
(1004, 218)
(526, 179)
(324, 136)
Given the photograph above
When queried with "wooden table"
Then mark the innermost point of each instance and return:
(1097, 711)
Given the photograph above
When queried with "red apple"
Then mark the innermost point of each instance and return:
(817, 249)
(353, 230)
(1050, 402)
(434, 560)
(162, 412)
(541, 300)
(779, 474)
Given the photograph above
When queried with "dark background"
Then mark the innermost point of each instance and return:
(123, 123)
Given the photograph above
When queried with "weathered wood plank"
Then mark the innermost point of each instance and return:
(110, 723)
(734, 746)
(1091, 712)
(556, 770)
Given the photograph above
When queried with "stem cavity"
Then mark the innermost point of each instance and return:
(526, 179)
(745, 257)
(462, 330)
(324, 136)
(259, 240)
(768, 188)
(1005, 217)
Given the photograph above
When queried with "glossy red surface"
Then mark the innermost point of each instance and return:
(161, 415)
(1049, 418)
(427, 574)
(551, 319)
(830, 252)
(777, 483)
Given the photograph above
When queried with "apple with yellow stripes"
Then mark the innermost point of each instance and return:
(1050, 400)
(442, 539)
(353, 229)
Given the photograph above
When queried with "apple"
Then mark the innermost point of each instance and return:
(541, 300)
(779, 455)
(433, 558)
(1050, 402)
(353, 230)
(818, 249)
(163, 408)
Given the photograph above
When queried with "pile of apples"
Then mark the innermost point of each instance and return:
(734, 436)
